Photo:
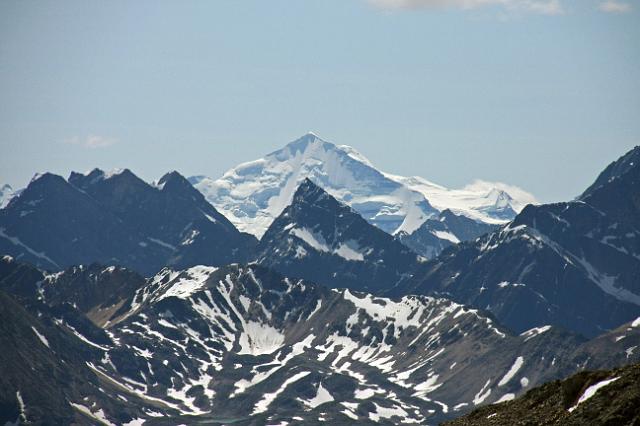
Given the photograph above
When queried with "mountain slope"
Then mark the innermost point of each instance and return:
(117, 219)
(448, 229)
(44, 376)
(172, 214)
(615, 170)
(101, 294)
(203, 344)
(575, 264)
(587, 398)
(253, 194)
(320, 239)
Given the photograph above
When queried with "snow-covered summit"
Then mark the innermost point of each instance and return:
(488, 202)
(253, 194)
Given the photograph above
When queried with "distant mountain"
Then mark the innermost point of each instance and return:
(573, 264)
(244, 343)
(318, 238)
(489, 202)
(253, 194)
(116, 218)
(587, 398)
(6, 194)
(447, 229)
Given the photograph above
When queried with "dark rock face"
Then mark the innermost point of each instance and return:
(96, 292)
(616, 402)
(575, 264)
(44, 372)
(245, 343)
(448, 229)
(118, 219)
(321, 239)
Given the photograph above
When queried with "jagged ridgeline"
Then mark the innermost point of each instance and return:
(117, 218)
(253, 194)
(243, 343)
(310, 287)
(575, 264)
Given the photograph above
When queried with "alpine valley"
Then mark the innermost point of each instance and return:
(309, 287)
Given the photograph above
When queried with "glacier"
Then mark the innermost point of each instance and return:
(254, 193)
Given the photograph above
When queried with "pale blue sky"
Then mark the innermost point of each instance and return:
(541, 94)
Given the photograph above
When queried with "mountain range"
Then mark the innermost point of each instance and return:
(574, 264)
(206, 343)
(117, 218)
(252, 195)
(368, 297)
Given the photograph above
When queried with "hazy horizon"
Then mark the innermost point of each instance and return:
(537, 94)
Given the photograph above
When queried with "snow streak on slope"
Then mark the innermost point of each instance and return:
(209, 341)
(252, 194)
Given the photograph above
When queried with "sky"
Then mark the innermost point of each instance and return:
(542, 94)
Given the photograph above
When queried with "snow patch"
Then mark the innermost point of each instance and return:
(536, 331)
(16, 242)
(262, 405)
(98, 415)
(350, 251)
(517, 364)
(506, 397)
(316, 241)
(322, 397)
(259, 339)
(591, 390)
(482, 394)
(444, 235)
(41, 337)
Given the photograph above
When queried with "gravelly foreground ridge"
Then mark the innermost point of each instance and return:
(616, 402)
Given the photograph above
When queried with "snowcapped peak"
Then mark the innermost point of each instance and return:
(37, 176)
(97, 173)
(499, 198)
(356, 155)
(305, 139)
(94, 172)
(517, 197)
(94, 175)
(253, 194)
(115, 172)
(306, 145)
